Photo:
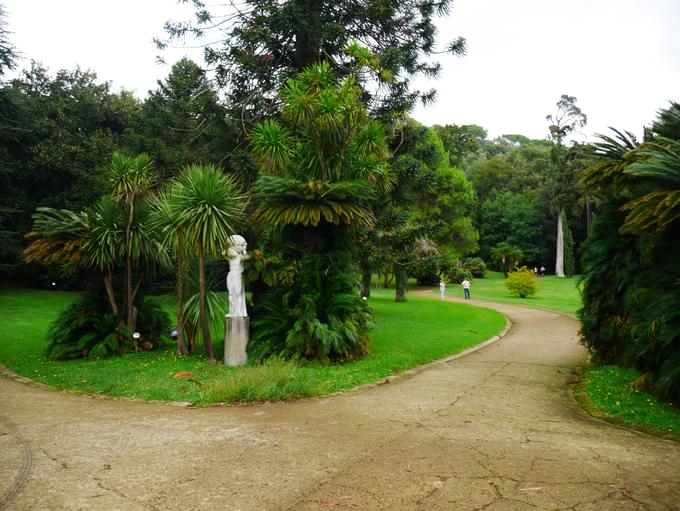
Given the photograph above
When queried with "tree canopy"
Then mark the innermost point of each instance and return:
(257, 46)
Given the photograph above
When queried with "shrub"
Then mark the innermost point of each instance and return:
(320, 316)
(82, 331)
(521, 282)
(458, 274)
(476, 266)
(507, 257)
(88, 329)
(425, 270)
(448, 263)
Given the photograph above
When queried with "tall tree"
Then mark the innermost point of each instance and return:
(633, 250)
(130, 179)
(461, 141)
(262, 43)
(182, 122)
(322, 168)
(57, 133)
(7, 51)
(429, 210)
(567, 118)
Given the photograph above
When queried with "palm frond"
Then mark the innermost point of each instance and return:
(272, 145)
(210, 206)
(613, 155)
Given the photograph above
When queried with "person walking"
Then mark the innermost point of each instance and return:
(442, 289)
(466, 288)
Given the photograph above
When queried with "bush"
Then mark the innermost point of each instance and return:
(425, 270)
(638, 325)
(448, 263)
(476, 266)
(521, 282)
(88, 329)
(458, 274)
(320, 316)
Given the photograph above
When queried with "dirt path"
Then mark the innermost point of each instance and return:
(495, 430)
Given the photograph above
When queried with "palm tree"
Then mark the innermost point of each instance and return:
(630, 298)
(130, 178)
(568, 117)
(103, 242)
(56, 237)
(650, 171)
(657, 166)
(165, 220)
(94, 240)
(323, 166)
(328, 166)
(209, 208)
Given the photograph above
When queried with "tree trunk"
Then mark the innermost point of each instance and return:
(366, 279)
(400, 282)
(128, 267)
(207, 340)
(108, 284)
(307, 33)
(133, 324)
(181, 345)
(559, 254)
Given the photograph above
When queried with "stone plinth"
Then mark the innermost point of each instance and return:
(236, 336)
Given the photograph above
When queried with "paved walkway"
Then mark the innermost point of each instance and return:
(495, 430)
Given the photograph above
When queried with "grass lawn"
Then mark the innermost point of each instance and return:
(406, 335)
(605, 392)
(554, 293)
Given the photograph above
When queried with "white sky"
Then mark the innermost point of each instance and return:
(620, 58)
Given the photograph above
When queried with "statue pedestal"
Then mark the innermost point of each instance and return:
(236, 336)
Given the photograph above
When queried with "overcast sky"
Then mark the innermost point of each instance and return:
(619, 58)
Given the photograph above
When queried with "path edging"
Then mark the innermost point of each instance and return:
(419, 369)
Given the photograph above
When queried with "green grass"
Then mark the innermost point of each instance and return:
(406, 335)
(554, 293)
(606, 392)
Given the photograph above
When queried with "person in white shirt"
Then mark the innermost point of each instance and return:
(466, 288)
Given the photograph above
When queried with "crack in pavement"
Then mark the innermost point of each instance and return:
(25, 467)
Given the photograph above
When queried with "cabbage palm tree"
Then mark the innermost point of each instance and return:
(209, 208)
(165, 220)
(95, 240)
(323, 167)
(327, 166)
(130, 179)
(103, 243)
(56, 237)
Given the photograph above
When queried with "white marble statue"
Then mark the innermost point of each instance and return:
(236, 253)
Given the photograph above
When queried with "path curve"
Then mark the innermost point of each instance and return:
(495, 430)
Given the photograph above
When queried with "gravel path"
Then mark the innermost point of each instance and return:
(495, 430)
